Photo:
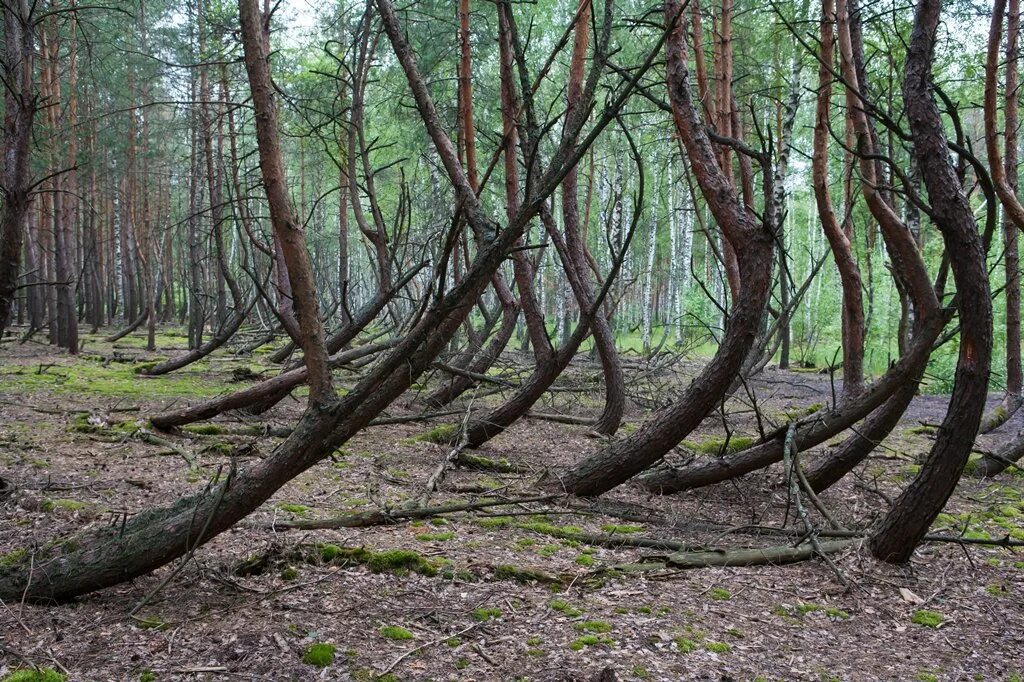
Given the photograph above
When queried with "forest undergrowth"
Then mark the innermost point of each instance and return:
(491, 577)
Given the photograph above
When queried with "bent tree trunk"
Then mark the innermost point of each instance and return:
(829, 469)
(997, 463)
(912, 277)
(265, 395)
(620, 462)
(481, 362)
(1004, 175)
(152, 539)
(604, 339)
(810, 431)
(839, 242)
(914, 511)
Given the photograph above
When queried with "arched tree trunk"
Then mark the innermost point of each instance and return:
(604, 338)
(152, 539)
(914, 511)
(1004, 175)
(842, 250)
(620, 462)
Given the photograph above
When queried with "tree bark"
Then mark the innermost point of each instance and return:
(620, 462)
(842, 250)
(1004, 176)
(288, 229)
(19, 114)
(914, 511)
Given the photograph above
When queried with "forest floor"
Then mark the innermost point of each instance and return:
(500, 594)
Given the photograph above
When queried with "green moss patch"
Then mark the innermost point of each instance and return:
(717, 446)
(929, 619)
(598, 626)
(396, 632)
(319, 655)
(299, 510)
(439, 435)
(719, 594)
(485, 613)
(589, 640)
(116, 380)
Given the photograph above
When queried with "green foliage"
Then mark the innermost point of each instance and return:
(718, 647)
(319, 655)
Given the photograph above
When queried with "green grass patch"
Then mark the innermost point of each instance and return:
(89, 378)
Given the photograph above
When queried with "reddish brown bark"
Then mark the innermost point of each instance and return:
(842, 249)
(1004, 177)
(620, 462)
(912, 514)
(577, 267)
(288, 229)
